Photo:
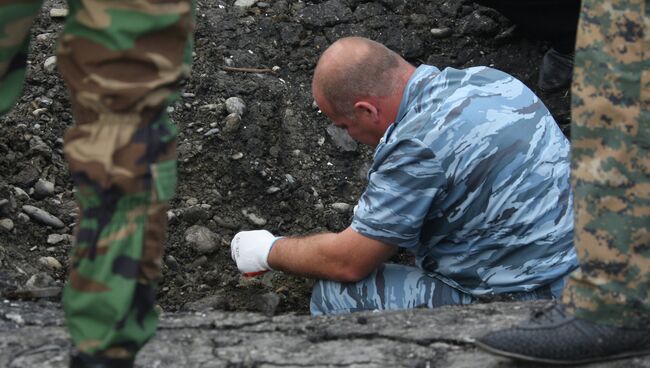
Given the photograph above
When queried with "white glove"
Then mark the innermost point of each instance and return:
(250, 250)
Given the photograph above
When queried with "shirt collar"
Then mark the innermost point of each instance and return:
(419, 73)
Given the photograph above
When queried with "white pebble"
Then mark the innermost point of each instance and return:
(50, 262)
(58, 13)
(50, 64)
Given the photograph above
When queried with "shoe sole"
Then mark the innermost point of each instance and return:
(526, 358)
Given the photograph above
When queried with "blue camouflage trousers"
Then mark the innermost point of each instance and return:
(393, 287)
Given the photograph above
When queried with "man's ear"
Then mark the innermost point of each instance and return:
(366, 110)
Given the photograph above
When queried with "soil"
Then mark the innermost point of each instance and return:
(280, 165)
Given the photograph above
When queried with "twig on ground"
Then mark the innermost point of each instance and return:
(247, 70)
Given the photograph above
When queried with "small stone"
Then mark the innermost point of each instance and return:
(6, 224)
(58, 12)
(235, 105)
(253, 218)
(40, 280)
(20, 194)
(202, 239)
(419, 19)
(44, 102)
(37, 145)
(245, 3)
(27, 177)
(171, 216)
(50, 262)
(199, 262)
(50, 64)
(268, 303)
(217, 107)
(15, 317)
(275, 151)
(5, 206)
(172, 263)
(39, 112)
(192, 201)
(23, 217)
(341, 207)
(441, 32)
(43, 188)
(272, 190)
(228, 224)
(194, 214)
(56, 238)
(478, 24)
(237, 156)
(44, 36)
(232, 123)
(341, 138)
(42, 216)
(210, 132)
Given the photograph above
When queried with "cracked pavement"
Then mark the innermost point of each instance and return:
(34, 335)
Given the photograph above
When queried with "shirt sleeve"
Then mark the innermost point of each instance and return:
(402, 186)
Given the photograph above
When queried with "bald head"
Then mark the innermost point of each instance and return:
(353, 68)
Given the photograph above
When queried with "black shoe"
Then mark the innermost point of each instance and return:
(554, 337)
(556, 71)
(81, 360)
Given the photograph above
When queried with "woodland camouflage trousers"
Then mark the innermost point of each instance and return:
(611, 163)
(122, 61)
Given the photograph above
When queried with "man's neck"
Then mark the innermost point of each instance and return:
(394, 101)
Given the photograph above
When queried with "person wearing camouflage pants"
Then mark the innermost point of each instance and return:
(470, 175)
(605, 310)
(122, 62)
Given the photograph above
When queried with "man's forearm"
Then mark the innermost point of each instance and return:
(346, 256)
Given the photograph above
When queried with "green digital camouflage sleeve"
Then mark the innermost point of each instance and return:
(122, 61)
(611, 163)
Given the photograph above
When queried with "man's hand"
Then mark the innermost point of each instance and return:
(250, 250)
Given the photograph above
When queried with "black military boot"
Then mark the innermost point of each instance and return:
(556, 71)
(553, 336)
(81, 360)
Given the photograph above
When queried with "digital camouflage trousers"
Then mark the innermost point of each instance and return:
(122, 61)
(611, 163)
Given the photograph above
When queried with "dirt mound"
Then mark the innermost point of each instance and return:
(254, 151)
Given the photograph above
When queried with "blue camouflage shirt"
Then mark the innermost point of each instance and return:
(473, 178)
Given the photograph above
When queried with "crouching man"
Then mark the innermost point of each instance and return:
(470, 174)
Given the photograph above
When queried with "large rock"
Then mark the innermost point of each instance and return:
(202, 239)
(341, 138)
(33, 335)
